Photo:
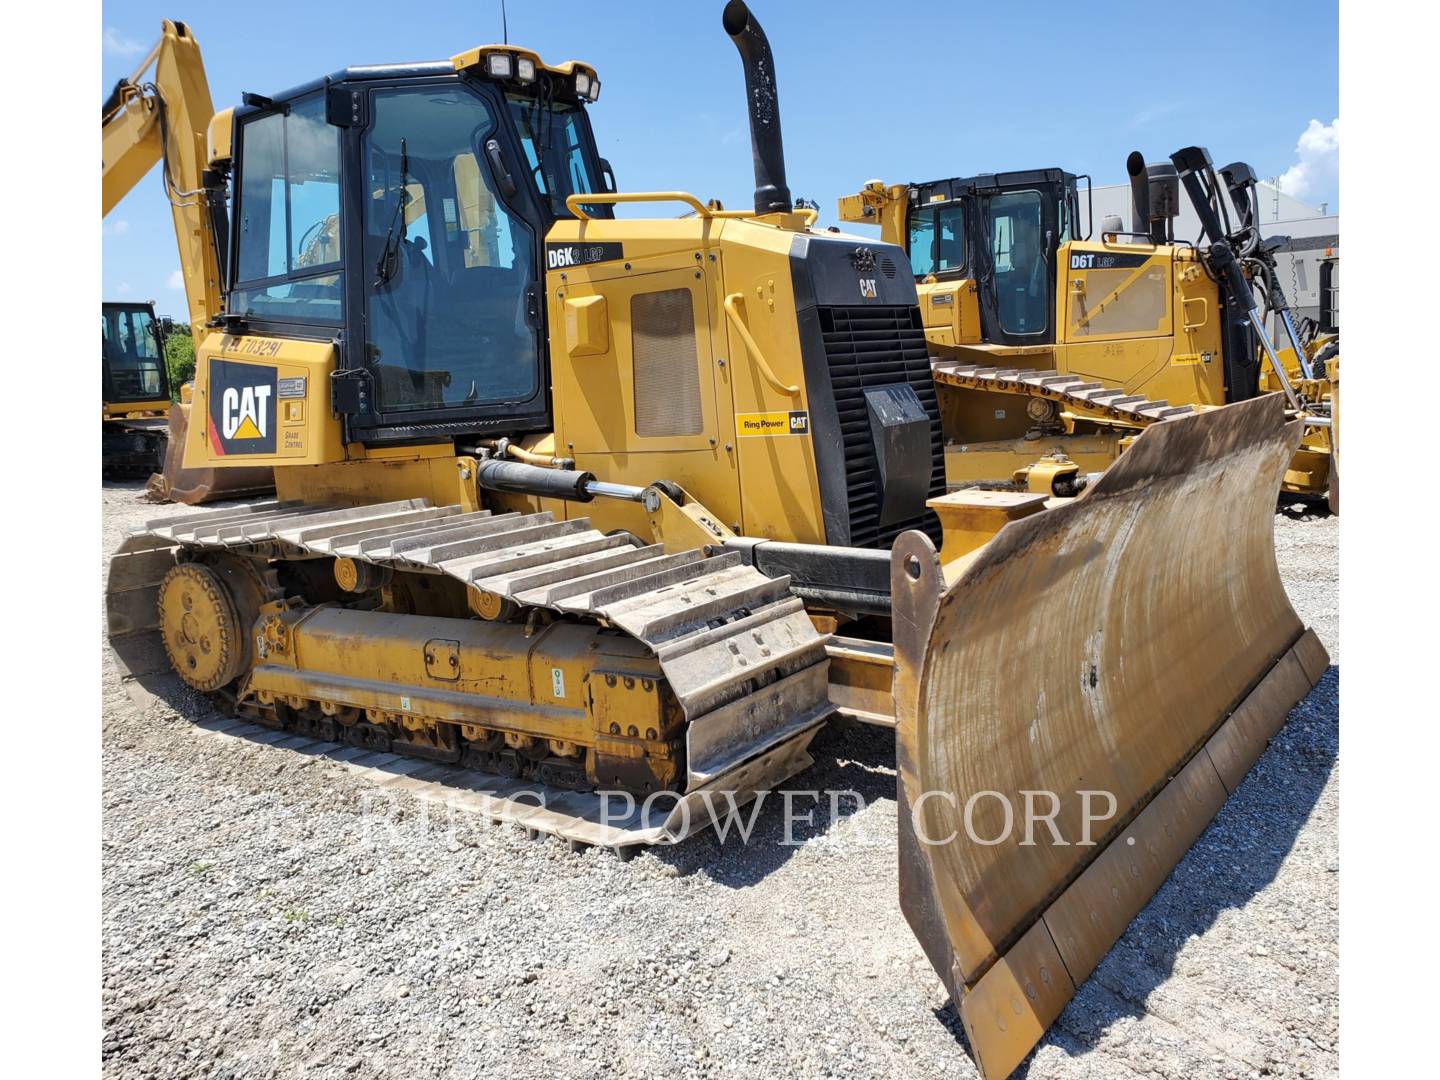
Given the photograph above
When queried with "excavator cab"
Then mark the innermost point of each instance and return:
(400, 212)
(132, 354)
(134, 391)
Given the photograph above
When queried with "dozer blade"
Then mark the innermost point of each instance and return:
(1136, 644)
(195, 486)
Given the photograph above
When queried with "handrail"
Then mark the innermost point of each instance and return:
(765, 369)
(574, 202)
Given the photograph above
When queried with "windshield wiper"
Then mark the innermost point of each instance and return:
(389, 262)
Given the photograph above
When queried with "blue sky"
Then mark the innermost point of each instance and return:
(948, 90)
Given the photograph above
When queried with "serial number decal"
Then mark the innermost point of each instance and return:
(291, 388)
(250, 346)
(773, 423)
(559, 256)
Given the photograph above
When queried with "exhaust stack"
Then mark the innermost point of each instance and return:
(771, 193)
(1139, 194)
(1154, 198)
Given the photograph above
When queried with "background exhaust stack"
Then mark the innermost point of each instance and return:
(1164, 201)
(771, 192)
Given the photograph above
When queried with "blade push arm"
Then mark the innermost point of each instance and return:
(878, 204)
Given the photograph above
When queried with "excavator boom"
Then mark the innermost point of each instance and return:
(166, 120)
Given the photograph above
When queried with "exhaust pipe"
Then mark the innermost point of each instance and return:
(1139, 194)
(771, 193)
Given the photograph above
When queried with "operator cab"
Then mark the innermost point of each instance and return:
(401, 212)
(132, 352)
(1003, 231)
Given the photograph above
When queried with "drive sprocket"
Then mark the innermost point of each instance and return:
(200, 627)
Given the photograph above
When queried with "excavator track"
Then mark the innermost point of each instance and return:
(742, 658)
(132, 449)
(1075, 394)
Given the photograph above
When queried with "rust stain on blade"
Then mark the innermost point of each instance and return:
(1092, 648)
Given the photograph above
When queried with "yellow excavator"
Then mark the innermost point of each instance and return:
(135, 389)
(140, 126)
(620, 511)
(1054, 349)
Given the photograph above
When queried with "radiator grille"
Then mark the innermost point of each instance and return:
(879, 346)
(667, 371)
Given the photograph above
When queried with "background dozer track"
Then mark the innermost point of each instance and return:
(1136, 642)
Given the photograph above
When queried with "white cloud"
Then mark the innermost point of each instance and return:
(118, 227)
(124, 288)
(1319, 164)
(175, 281)
(1147, 116)
(117, 44)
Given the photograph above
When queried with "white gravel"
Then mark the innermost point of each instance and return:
(265, 914)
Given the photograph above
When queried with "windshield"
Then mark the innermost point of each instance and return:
(134, 363)
(1022, 289)
(556, 151)
(447, 265)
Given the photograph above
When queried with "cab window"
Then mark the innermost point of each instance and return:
(1022, 274)
(448, 265)
(553, 138)
(287, 264)
(937, 239)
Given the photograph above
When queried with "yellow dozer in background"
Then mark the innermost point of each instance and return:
(630, 507)
(1053, 350)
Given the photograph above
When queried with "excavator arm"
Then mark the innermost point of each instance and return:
(166, 119)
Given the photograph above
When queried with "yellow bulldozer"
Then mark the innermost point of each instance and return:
(606, 507)
(1053, 349)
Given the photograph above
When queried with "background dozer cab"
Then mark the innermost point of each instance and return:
(135, 390)
(1017, 296)
(144, 122)
(631, 507)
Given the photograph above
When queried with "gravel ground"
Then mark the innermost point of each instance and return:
(266, 914)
